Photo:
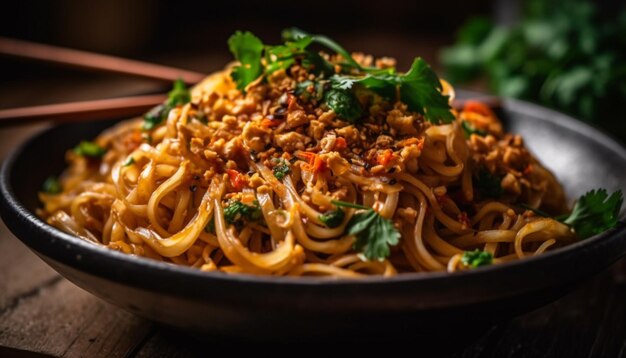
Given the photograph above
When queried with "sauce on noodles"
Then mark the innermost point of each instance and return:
(268, 179)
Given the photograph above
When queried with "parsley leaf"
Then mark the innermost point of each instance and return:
(594, 213)
(248, 50)
(52, 186)
(89, 149)
(236, 210)
(374, 234)
(476, 258)
(332, 218)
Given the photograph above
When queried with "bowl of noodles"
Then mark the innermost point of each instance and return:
(307, 190)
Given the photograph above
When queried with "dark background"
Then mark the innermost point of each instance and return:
(193, 34)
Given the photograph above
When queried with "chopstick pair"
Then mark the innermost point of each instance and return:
(94, 109)
(103, 108)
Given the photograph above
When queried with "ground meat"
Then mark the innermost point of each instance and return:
(255, 136)
(296, 118)
(403, 123)
(350, 133)
(316, 129)
(291, 141)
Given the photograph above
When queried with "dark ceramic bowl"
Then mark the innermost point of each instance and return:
(261, 307)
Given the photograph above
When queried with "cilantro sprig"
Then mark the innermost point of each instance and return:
(236, 211)
(594, 213)
(469, 129)
(374, 234)
(179, 95)
(333, 218)
(52, 186)
(89, 149)
(248, 50)
(281, 168)
(476, 258)
(419, 88)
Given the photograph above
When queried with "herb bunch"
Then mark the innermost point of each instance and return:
(419, 88)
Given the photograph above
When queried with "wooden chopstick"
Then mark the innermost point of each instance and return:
(94, 61)
(82, 111)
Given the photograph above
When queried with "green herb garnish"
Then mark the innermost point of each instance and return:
(470, 129)
(332, 218)
(236, 211)
(52, 186)
(89, 149)
(179, 95)
(594, 213)
(344, 103)
(374, 234)
(419, 88)
(476, 258)
(248, 50)
(281, 169)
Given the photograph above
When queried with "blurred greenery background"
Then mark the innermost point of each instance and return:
(568, 55)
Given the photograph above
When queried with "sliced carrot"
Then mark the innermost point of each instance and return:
(340, 143)
(314, 164)
(384, 158)
(237, 180)
(266, 122)
(478, 107)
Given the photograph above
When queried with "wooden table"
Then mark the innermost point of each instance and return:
(42, 313)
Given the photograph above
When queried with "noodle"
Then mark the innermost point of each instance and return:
(244, 183)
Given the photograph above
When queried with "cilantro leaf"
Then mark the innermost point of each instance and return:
(420, 90)
(332, 218)
(469, 129)
(281, 169)
(283, 56)
(310, 90)
(476, 258)
(248, 50)
(344, 103)
(179, 95)
(294, 34)
(89, 149)
(52, 186)
(236, 211)
(374, 234)
(594, 213)
(155, 116)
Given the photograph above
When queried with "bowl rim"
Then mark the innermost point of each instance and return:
(12, 206)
